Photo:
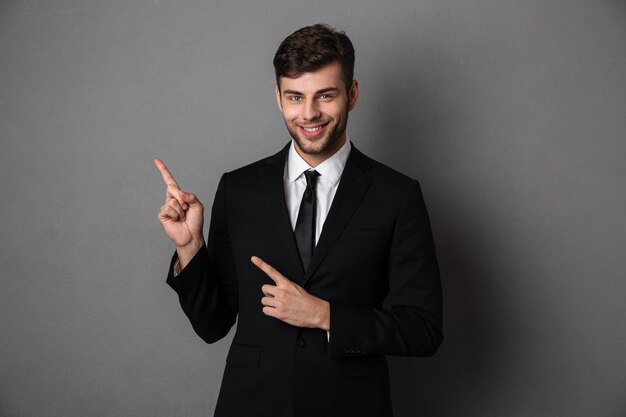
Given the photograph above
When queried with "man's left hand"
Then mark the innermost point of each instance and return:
(289, 302)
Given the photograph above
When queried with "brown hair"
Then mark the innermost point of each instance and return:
(311, 48)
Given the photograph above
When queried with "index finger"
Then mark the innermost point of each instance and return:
(269, 270)
(167, 177)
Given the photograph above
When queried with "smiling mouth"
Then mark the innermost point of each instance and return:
(313, 130)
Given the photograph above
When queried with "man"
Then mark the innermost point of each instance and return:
(303, 248)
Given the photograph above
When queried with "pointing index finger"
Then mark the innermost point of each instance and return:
(167, 177)
(269, 270)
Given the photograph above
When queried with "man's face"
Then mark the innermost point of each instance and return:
(315, 107)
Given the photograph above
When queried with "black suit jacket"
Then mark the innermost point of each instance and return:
(376, 243)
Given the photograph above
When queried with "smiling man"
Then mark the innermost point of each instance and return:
(303, 248)
(317, 118)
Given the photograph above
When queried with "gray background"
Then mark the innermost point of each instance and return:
(510, 113)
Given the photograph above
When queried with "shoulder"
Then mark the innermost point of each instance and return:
(383, 175)
(399, 192)
(246, 173)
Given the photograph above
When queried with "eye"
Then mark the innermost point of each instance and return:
(295, 98)
(325, 97)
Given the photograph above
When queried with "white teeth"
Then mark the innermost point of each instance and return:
(312, 129)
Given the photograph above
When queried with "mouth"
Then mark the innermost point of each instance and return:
(313, 131)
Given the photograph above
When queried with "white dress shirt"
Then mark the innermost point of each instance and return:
(295, 183)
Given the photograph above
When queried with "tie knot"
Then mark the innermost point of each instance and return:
(311, 177)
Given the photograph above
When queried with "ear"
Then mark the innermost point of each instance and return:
(280, 104)
(353, 95)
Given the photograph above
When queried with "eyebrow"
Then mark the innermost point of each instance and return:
(322, 91)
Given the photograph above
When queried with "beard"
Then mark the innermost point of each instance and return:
(326, 142)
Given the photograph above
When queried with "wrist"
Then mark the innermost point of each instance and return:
(187, 252)
(325, 316)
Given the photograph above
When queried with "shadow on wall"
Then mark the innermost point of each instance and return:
(418, 140)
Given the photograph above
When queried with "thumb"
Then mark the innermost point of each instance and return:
(189, 198)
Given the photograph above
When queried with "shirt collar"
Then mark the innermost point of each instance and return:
(331, 169)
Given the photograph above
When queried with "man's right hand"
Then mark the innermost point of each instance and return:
(182, 217)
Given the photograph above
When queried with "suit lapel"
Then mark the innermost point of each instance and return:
(355, 181)
(272, 188)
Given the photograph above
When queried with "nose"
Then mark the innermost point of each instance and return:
(311, 110)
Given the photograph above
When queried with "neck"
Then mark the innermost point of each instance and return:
(315, 159)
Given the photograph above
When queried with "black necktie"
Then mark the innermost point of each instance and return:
(305, 225)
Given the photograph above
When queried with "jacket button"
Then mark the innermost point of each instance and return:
(346, 350)
(351, 350)
(301, 343)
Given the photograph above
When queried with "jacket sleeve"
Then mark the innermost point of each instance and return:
(412, 325)
(207, 286)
